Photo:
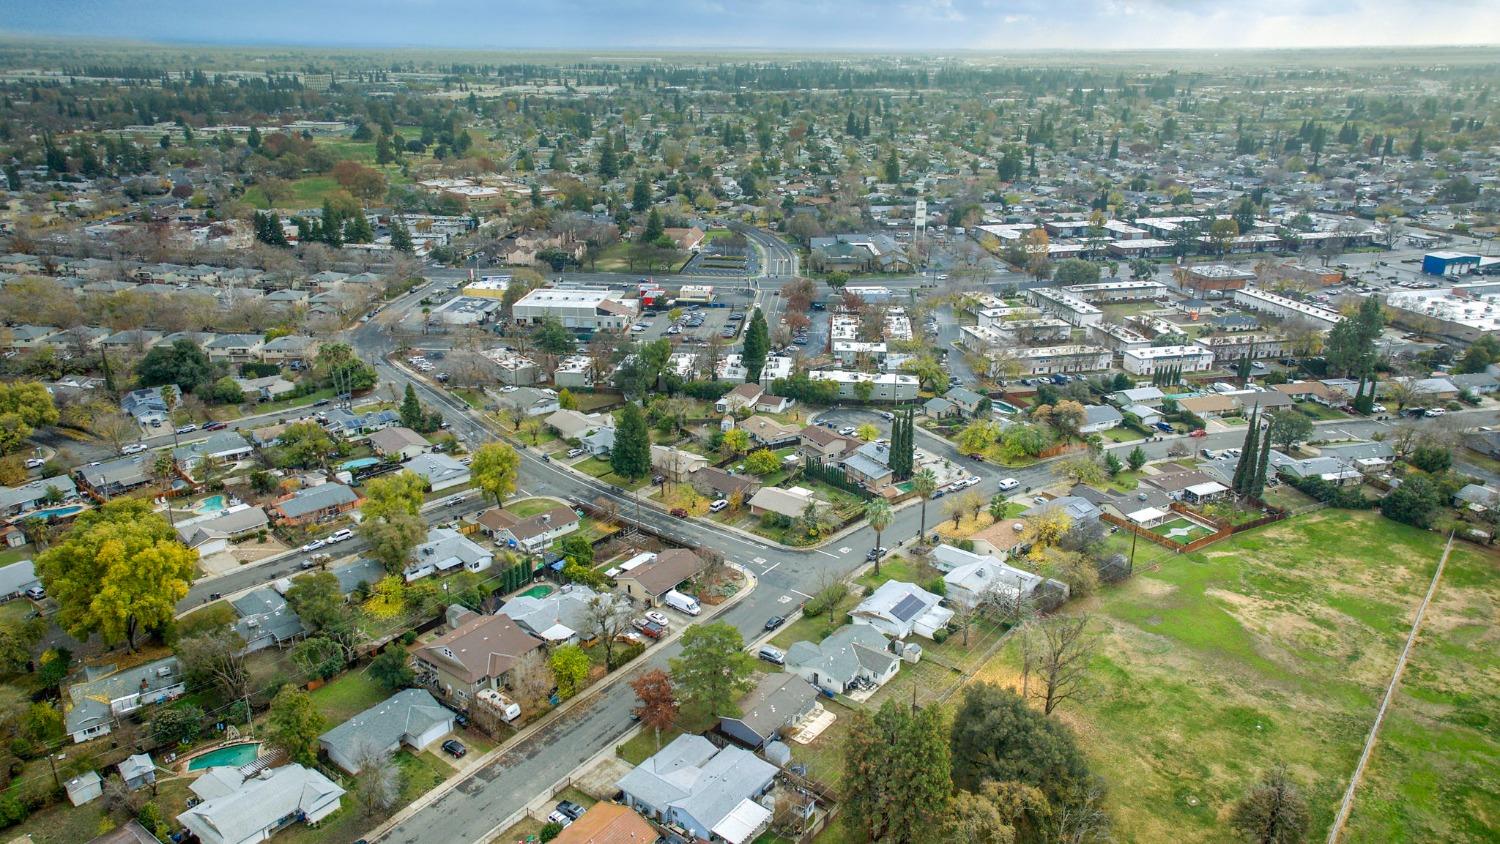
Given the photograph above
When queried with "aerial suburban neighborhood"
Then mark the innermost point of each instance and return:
(422, 437)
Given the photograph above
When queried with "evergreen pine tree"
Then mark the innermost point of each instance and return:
(1246, 463)
(757, 345)
(401, 237)
(411, 409)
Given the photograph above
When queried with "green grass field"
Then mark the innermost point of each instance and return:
(1275, 645)
(348, 695)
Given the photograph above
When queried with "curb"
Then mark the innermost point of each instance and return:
(459, 777)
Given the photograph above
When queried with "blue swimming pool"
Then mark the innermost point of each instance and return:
(211, 504)
(351, 465)
(234, 756)
(58, 512)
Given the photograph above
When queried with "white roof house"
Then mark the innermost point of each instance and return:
(241, 810)
(444, 550)
(709, 791)
(900, 609)
(982, 577)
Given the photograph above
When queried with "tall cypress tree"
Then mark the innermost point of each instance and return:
(1246, 463)
(1259, 486)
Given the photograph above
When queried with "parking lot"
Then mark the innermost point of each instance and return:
(700, 322)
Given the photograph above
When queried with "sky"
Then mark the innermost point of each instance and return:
(888, 25)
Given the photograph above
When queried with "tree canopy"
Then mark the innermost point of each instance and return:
(120, 571)
(714, 669)
(494, 470)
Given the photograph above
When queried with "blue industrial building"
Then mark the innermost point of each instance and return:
(1449, 263)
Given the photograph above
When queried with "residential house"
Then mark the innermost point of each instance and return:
(708, 791)
(1364, 456)
(982, 579)
(599, 442)
(853, 655)
(717, 483)
(480, 652)
(1100, 417)
(84, 788)
(291, 349)
(899, 609)
(1210, 405)
(320, 503)
(238, 809)
(791, 503)
(1476, 497)
(235, 348)
(939, 408)
(531, 534)
(98, 701)
(114, 477)
(1080, 510)
(858, 253)
(869, 466)
(1205, 492)
(137, 771)
(559, 618)
(530, 401)
(675, 464)
(269, 388)
(439, 470)
(16, 578)
(399, 443)
(33, 495)
(136, 340)
(572, 425)
(608, 823)
(1483, 442)
(967, 401)
(445, 550)
(766, 432)
(1478, 383)
(825, 444)
(147, 405)
(886, 386)
(223, 446)
(742, 396)
(647, 583)
(214, 533)
(777, 701)
(347, 424)
(409, 718)
(266, 620)
(1149, 396)
(1314, 390)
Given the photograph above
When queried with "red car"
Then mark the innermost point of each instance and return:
(649, 629)
(216, 426)
(1199, 433)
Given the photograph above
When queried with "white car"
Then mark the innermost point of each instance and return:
(134, 448)
(314, 545)
(847, 430)
(338, 536)
(1007, 484)
(659, 618)
(35, 463)
(187, 429)
(1377, 408)
(718, 505)
(1434, 411)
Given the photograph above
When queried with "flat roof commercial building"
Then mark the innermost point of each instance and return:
(1118, 291)
(585, 309)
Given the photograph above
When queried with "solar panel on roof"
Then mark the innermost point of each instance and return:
(907, 608)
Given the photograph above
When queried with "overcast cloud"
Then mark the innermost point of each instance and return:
(918, 25)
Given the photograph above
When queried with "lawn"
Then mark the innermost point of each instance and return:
(527, 507)
(348, 695)
(1275, 645)
(1181, 530)
(1319, 412)
(815, 628)
(1122, 434)
(600, 469)
(420, 773)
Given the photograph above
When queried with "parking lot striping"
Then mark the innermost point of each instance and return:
(826, 554)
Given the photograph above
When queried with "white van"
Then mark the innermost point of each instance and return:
(682, 603)
(340, 535)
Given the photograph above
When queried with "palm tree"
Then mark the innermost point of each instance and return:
(998, 506)
(878, 511)
(924, 483)
(163, 468)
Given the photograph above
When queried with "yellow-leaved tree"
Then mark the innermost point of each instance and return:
(119, 572)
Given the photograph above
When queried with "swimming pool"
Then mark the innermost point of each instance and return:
(58, 512)
(537, 592)
(358, 463)
(211, 504)
(234, 756)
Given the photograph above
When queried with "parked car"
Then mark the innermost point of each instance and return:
(36, 593)
(718, 505)
(1163, 427)
(316, 560)
(1198, 434)
(314, 545)
(847, 431)
(216, 426)
(455, 748)
(134, 448)
(1377, 408)
(559, 818)
(575, 452)
(571, 809)
(679, 513)
(876, 554)
(187, 429)
(1434, 411)
(775, 621)
(35, 463)
(339, 536)
(658, 617)
(775, 656)
(649, 628)
(1007, 484)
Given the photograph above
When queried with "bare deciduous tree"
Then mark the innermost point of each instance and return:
(607, 616)
(378, 783)
(1060, 647)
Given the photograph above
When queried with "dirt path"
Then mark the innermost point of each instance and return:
(1390, 692)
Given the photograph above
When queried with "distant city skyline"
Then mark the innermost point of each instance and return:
(892, 25)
